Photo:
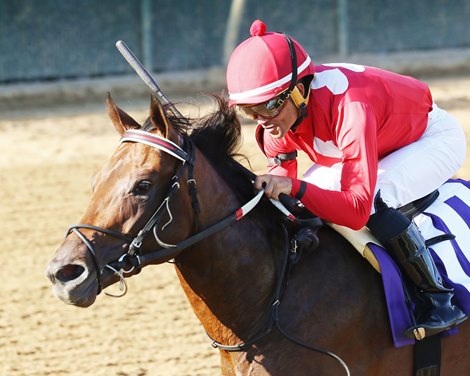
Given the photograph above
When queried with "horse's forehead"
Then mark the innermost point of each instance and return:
(128, 161)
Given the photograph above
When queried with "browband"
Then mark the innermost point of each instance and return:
(150, 139)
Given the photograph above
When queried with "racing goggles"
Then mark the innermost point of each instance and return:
(266, 110)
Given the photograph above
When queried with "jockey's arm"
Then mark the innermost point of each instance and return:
(351, 205)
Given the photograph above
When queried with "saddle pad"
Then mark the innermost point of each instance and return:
(398, 312)
(450, 213)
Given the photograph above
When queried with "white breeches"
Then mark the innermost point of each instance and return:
(414, 170)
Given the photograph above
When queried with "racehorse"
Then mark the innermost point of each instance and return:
(173, 190)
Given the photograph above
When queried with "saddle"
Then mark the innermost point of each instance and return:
(304, 237)
(361, 238)
(443, 218)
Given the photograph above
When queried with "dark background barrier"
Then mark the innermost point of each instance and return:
(46, 40)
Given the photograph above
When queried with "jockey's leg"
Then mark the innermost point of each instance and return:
(406, 245)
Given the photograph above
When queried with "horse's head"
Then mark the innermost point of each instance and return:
(132, 188)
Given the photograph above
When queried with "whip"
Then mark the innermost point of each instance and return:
(144, 74)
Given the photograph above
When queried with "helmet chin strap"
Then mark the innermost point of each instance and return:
(299, 101)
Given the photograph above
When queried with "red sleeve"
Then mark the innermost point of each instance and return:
(356, 137)
(271, 147)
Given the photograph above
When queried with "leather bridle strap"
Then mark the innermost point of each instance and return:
(136, 243)
(144, 259)
(150, 257)
(169, 147)
(76, 230)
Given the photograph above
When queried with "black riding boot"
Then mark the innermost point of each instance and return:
(406, 245)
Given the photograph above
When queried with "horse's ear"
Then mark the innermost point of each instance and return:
(121, 120)
(159, 119)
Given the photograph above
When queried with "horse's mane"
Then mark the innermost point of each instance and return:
(218, 136)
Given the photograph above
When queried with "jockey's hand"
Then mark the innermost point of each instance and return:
(274, 185)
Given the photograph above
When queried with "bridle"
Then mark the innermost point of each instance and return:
(134, 258)
(127, 262)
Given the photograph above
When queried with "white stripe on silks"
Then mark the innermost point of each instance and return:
(263, 89)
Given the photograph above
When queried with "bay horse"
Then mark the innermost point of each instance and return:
(167, 187)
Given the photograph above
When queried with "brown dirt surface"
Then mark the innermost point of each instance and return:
(47, 158)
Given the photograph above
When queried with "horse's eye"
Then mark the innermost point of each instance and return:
(142, 188)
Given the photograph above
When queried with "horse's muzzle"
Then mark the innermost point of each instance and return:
(73, 283)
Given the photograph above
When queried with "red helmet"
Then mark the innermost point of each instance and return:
(261, 66)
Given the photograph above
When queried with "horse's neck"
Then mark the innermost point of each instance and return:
(228, 278)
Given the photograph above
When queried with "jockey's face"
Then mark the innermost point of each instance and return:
(276, 115)
(279, 125)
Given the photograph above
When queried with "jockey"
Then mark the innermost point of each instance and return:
(376, 139)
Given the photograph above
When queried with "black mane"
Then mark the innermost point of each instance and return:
(218, 136)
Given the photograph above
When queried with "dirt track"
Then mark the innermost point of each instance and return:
(45, 168)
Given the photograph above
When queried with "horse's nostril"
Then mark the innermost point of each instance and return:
(69, 272)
